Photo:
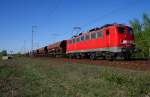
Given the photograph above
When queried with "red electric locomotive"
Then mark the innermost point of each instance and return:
(109, 41)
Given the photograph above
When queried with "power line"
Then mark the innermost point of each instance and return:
(108, 14)
(53, 11)
(55, 8)
(24, 45)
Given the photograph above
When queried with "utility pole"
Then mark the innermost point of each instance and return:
(149, 52)
(11, 52)
(24, 45)
(33, 30)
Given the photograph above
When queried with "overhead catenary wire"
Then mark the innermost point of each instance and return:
(102, 18)
(55, 8)
(50, 13)
(106, 15)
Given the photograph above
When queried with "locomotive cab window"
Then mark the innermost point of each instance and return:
(121, 30)
(82, 38)
(130, 30)
(100, 34)
(93, 35)
(78, 39)
(87, 37)
(70, 42)
(74, 40)
(107, 32)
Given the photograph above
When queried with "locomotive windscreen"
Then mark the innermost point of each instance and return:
(121, 30)
(130, 30)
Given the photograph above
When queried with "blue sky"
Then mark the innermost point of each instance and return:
(55, 19)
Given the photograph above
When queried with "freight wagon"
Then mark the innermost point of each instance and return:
(53, 50)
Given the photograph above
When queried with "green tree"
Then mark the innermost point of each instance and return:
(136, 25)
(142, 34)
(3, 53)
(146, 21)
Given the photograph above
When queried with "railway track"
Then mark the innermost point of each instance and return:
(143, 65)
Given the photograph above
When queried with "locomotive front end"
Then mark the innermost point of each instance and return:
(126, 41)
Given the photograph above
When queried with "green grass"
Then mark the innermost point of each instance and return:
(26, 77)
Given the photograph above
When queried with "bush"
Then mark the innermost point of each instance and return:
(3, 53)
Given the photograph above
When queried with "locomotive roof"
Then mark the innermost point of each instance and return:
(99, 28)
(105, 26)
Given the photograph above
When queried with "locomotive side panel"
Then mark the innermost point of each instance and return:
(98, 41)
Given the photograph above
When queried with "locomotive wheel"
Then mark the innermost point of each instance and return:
(70, 56)
(111, 56)
(127, 56)
(103, 57)
(93, 57)
(78, 56)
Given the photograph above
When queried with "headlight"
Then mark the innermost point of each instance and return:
(124, 42)
(127, 42)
